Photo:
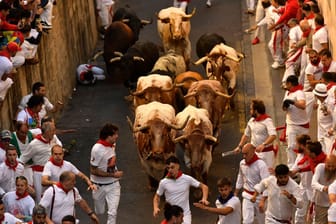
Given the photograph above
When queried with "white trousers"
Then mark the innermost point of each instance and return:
(250, 210)
(37, 181)
(250, 4)
(292, 63)
(310, 101)
(109, 194)
(275, 45)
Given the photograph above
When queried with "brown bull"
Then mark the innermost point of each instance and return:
(223, 65)
(210, 95)
(154, 88)
(174, 29)
(197, 141)
(154, 128)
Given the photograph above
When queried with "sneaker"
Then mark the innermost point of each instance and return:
(277, 65)
(255, 41)
(208, 3)
(249, 11)
(45, 25)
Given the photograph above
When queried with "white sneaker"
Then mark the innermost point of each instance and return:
(208, 3)
(276, 65)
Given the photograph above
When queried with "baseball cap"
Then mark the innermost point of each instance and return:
(13, 47)
(6, 134)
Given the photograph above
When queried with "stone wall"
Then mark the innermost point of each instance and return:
(70, 42)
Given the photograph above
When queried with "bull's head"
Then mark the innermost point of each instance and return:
(175, 22)
(151, 94)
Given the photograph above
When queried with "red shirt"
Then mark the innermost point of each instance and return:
(291, 9)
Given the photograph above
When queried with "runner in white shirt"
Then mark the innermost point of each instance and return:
(9, 170)
(283, 196)
(324, 175)
(324, 118)
(19, 203)
(302, 168)
(228, 206)
(313, 75)
(320, 34)
(6, 137)
(297, 122)
(39, 151)
(251, 171)
(60, 199)
(176, 187)
(89, 74)
(6, 217)
(261, 132)
(332, 200)
(57, 165)
(329, 65)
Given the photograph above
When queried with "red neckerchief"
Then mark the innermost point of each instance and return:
(88, 66)
(326, 68)
(40, 137)
(306, 33)
(319, 159)
(330, 84)
(25, 194)
(254, 158)
(59, 185)
(261, 117)
(164, 222)
(52, 160)
(304, 160)
(317, 28)
(294, 89)
(174, 178)
(105, 143)
(3, 218)
(34, 115)
(310, 16)
(5, 53)
(10, 166)
(2, 146)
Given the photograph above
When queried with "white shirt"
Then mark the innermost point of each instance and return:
(2, 155)
(234, 216)
(33, 126)
(7, 176)
(305, 177)
(176, 191)
(38, 151)
(324, 122)
(259, 131)
(319, 37)
(278, 205)
(10, 219)
(24, 206)
(98, 73)
(249, 176)
(100, 157)
(47, 106)
(318, 182)
(294, 35)
(64, 203)
(315, 71)
(54, 172)
(6, 66)
(295, 115)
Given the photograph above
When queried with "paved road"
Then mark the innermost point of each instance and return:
(90, 107)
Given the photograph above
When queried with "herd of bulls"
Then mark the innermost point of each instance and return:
(172, 104)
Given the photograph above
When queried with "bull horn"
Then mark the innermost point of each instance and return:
(118, 53)
(137, 58)
(97, 55)
(178, 139)
(137, 93)
(115, 59)
(190, 94)
(201, 60)
(179, 84)
(145, 22)
(211, 138)
(190, 15)
(223, 94)
(129, 123)
(125, 20)
(167, 89)
(232, 58)
(180, 127)
(140, 128)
